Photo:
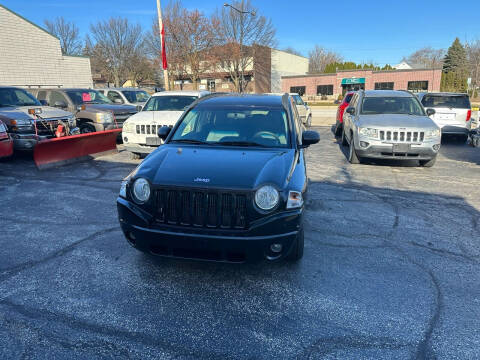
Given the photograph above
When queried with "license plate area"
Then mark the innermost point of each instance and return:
(445, 117)
(401, 148)
(154, 141)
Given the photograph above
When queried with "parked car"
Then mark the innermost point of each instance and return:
(453, 112)
(340, 110)
(303, 109)
(229, 183)
(99, 112)
(24, 128)
(390, 124)
(164, 108)
(6, 143)
(128, 96)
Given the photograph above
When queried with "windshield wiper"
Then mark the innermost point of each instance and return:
(190, 141)
(240, 143)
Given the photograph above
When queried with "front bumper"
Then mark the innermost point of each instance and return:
(455, 130)
(140, 149)
(26, 141)
(223, 245)
(387, 150)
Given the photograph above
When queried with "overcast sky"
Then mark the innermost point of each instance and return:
(372, 30)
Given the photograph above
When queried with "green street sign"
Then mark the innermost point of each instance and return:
(347, 81)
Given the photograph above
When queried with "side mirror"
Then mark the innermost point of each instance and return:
(118, 101)
(430, 112)
(139, 107)
(60, 104)
(350, 110)
(310, 137)
(80, 107)
(43, 102)
(163, 132)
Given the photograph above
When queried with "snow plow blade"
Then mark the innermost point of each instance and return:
(65, 150)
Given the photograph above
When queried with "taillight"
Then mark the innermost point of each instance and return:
(469, 115)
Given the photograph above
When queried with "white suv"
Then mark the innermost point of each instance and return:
(164, 108)
(303, 109)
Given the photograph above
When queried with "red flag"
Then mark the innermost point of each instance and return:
(164, 54)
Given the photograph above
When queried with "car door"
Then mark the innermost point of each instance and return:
(347, 118)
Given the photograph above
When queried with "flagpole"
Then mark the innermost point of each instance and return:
(160, 27)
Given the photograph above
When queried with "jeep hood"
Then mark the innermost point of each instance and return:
(396, 121)
(21, 112)
(155, 117)
(217, 167)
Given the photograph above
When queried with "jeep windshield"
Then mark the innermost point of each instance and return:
(392, 105)
(169, 103)
(257, 127)
(135, 96)
(446, 101)
(87, 96)
(17, 97)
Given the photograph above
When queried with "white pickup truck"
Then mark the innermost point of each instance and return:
(164, 108)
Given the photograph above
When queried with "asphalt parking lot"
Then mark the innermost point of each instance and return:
(391, 270)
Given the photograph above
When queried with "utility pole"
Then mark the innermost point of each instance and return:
(162, 41)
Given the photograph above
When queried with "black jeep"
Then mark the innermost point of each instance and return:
(228, 185)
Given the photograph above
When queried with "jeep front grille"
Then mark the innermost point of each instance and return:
(402, 136)
(201, 208)
(148, 129)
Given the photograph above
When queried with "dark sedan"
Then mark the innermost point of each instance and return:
(229, 183)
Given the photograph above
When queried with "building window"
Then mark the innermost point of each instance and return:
(417, 86)
(325, 90)
(384, 86)
(300, 90)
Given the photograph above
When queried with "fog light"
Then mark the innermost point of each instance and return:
(436, 147)
(276, 248)
(125, 139)
(364, 144)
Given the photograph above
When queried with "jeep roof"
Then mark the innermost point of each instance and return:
(387, 93)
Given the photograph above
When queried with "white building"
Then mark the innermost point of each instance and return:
(402, 66)
(31, 57)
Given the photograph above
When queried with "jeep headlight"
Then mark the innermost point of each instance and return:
(266, 197)
(141, 190)
(368, 132)
(105, 117)
(432, 134)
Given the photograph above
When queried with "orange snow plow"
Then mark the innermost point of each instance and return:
(67, 149)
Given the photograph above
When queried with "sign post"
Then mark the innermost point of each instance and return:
(162, 39)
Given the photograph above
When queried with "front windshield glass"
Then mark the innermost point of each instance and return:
(87, 96)
(264, 127)
(391, 105)
(135, 96)
(169, 103)
(17, 97)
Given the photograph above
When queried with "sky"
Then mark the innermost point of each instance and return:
(368, 31)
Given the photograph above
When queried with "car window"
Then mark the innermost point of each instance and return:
(459, 102)
(169, 103)
(353, 103)
(134, 96)
(242, 126)
(113, 95)
(391, 105)
(348, 97)
(298, 100)
(17, 97)
(56, 96)
(42, 95)
(87, 96)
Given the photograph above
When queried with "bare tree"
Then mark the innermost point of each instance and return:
(115, 44)
(292, 50)
(242, 31)
(426, 58)
(320, 58)
(68, 34)
(473, 55)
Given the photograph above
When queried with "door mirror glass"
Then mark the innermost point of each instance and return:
(163, 132)
(430, 112)
(310, 137)
(350, 110)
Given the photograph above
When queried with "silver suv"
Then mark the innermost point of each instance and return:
(390, 125)
(453, 112)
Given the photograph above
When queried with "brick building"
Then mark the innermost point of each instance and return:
(333, 85)
(31, 57)
(262, 75)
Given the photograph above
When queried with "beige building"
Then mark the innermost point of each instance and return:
(31, 57)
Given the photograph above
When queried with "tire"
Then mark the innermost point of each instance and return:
(352, 154)
(338, 129)
(309, 121)
(86, 128)
(297, 250)
(135, 156)
(428, 163)
(344, 138)
(462, 139)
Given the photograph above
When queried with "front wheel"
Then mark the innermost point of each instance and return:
(344, 138)
(352, 153)
(338, 129)
(428, 163)
(297, 251)
(87, 128)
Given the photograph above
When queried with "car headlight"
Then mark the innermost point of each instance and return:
(141, 190)
(104, 117)
(431, 134)
(266, 197)
(295, 200)
(22, 122)
(369, 132)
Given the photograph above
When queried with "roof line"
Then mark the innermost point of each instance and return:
(20, 16)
